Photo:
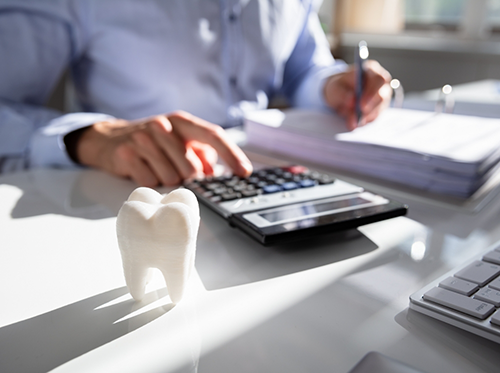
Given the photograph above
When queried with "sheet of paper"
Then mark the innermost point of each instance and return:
(456, 137)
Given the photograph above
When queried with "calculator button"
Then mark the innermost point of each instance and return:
(253, 180)
(307, 183)
(459, 286)
(211, 186)
(220, 190)
(458, 302)
(230, 196)
(479, 272)
(221, 179)
(261, 173)
(249, 193)
(215, 199)
(267, 189)
(325, 180)
(242, 187)
(289, 185)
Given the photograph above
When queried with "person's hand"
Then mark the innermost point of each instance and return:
(164, 149)
(339, 93)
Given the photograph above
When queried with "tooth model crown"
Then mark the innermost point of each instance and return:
(156, 231)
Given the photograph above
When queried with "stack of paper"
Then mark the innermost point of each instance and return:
(441, 153)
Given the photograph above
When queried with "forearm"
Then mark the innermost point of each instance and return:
(33, 136)
(18, 123)
(309, 66)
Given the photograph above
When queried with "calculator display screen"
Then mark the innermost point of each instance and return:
(310, 209)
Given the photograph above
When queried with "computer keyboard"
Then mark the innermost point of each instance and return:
(467, 297)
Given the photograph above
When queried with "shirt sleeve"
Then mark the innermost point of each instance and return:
(309, 65)
(37, 43)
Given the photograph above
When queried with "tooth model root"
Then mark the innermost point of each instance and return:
(158, 232)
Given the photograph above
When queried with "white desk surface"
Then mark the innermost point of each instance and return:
(314, 306)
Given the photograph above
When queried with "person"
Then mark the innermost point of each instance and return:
(157, 81)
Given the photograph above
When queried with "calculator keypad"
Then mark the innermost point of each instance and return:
(266, 181)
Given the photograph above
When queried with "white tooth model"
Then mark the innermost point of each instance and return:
(156, 231)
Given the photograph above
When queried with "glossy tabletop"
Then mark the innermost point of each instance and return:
(309, 306)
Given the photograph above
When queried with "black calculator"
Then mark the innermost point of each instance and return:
(288, 203)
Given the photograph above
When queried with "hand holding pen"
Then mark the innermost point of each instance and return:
(359, 99)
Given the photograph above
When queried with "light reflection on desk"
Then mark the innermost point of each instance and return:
(318, 305)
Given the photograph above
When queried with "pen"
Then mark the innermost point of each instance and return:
(361, 54)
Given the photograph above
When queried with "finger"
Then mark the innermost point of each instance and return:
(375, 112)
(379, 102)
(195, 161)
(207, 156)
(129, 164)
(375, 78)
(189, 127)
(339, 91)
(156, 159)
(183, 160)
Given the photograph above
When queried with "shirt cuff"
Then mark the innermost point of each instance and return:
(47, 144)
(310, 94)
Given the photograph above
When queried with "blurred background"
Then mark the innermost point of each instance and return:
(423, 43)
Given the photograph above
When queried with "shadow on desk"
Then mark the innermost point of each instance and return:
(228, 257)
(44, 342)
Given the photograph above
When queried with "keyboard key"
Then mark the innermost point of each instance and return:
(461, 303)
(479, 272)
(495, 284)
(495, 319)
(459, 286)
(493, 257)
(489, 295)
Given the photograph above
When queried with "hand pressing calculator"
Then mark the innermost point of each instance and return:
(289, 203)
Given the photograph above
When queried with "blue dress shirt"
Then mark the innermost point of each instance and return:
(216, 59)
